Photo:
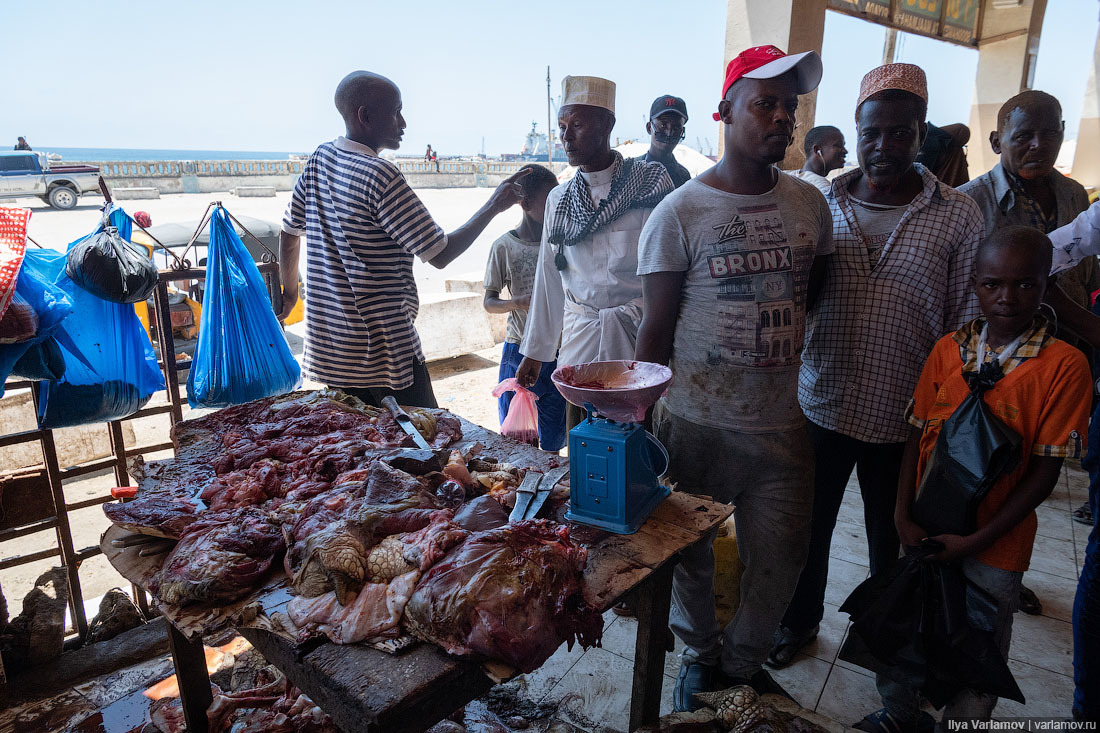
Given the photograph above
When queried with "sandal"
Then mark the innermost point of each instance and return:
(1083, 514)
(881, 721)
(788, 644)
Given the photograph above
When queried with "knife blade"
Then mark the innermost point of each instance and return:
(545, 488)
(404, 421)
(524, 494)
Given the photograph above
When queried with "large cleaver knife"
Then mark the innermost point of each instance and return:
(533, 492)
(404, 421)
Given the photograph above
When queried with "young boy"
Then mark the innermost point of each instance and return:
(512, 262)
(1039, 396)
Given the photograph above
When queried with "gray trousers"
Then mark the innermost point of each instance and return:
(901, 699)
(769, 477)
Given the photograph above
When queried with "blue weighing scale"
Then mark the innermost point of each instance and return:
(615, 465)
(614, 474)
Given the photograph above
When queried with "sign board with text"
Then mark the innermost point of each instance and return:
(954, 21)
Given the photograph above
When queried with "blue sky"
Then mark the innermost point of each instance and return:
(260, 75)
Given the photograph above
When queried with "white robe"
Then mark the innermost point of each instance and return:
(595, 304)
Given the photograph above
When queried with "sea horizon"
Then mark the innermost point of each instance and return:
(76, 155)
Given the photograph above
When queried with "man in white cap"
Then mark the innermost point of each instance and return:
(900, 279)
(729, 264)
(587, 292)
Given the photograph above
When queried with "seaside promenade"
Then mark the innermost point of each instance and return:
(451, 207)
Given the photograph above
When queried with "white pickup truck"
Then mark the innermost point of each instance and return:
(29, 173)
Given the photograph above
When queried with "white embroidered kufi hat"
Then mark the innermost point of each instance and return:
(590, 90)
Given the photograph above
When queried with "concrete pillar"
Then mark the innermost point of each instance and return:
(792, 25)
(1006, 66)
(1086, 159)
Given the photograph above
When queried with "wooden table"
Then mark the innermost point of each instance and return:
(365, 689)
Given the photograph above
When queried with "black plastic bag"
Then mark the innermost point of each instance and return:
(911, 622)
(973, 450)
(110, 267)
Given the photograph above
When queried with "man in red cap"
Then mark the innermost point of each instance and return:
(900, 279)
(729, 263)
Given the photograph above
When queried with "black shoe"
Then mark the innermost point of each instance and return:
(1029, 602)
(881, 721)
(762, 682)
(694, 677)
(1083, 514)
(788, 643)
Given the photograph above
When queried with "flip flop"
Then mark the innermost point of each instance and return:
(787, 646)
(1083, 514)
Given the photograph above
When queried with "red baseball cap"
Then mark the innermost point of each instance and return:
(768, 62)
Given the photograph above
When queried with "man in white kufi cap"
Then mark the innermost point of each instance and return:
(587, 292)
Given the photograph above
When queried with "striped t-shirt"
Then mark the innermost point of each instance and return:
(363, 224)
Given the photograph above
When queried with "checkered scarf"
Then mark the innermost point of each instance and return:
(635, 184)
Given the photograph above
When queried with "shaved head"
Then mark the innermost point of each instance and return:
(361, 89)
(371, 107)
(1027, 244)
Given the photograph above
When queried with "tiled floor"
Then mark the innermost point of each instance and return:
(595, 685)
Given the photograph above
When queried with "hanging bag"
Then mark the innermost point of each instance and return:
(242, 354)
(37, 357)
(110, 368)
(973, 450)
(522, 421)
(109, 266)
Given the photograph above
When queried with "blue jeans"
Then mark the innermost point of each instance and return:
(1086, 606)
(550, 403)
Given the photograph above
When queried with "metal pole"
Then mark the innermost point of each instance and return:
(890, 46)
(549, 128)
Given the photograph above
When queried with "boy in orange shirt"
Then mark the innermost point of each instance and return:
(1039, 397)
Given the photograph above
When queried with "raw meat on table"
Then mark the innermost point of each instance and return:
(219, 558)
(511, 594)
(374, 613)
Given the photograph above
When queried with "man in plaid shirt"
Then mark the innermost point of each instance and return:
(899, 280)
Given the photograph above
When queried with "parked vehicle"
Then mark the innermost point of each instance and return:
(30, 173)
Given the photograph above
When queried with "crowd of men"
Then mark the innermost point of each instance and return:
(814, 325)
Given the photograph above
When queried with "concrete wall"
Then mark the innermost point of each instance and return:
(451, 324)
(1086, 158)
(216, 176)
(473, 282)
(1006, 65)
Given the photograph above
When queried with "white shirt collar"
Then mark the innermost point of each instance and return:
(350, 146)
(600, 178)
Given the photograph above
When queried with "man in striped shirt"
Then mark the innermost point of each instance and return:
(363, 225)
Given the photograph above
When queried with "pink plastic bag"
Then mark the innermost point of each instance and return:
(522, 421)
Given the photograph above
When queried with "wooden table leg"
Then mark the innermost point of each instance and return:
(650, 602)
(192, 678)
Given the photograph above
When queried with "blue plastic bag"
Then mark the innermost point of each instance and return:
(36, 358)
(110, 368)
(242, 354)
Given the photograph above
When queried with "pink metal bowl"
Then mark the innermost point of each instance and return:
(618, 390)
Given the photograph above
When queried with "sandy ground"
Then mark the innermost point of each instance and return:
(462, 384)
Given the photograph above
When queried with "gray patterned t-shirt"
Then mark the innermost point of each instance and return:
(512, 264)
(746, 263)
